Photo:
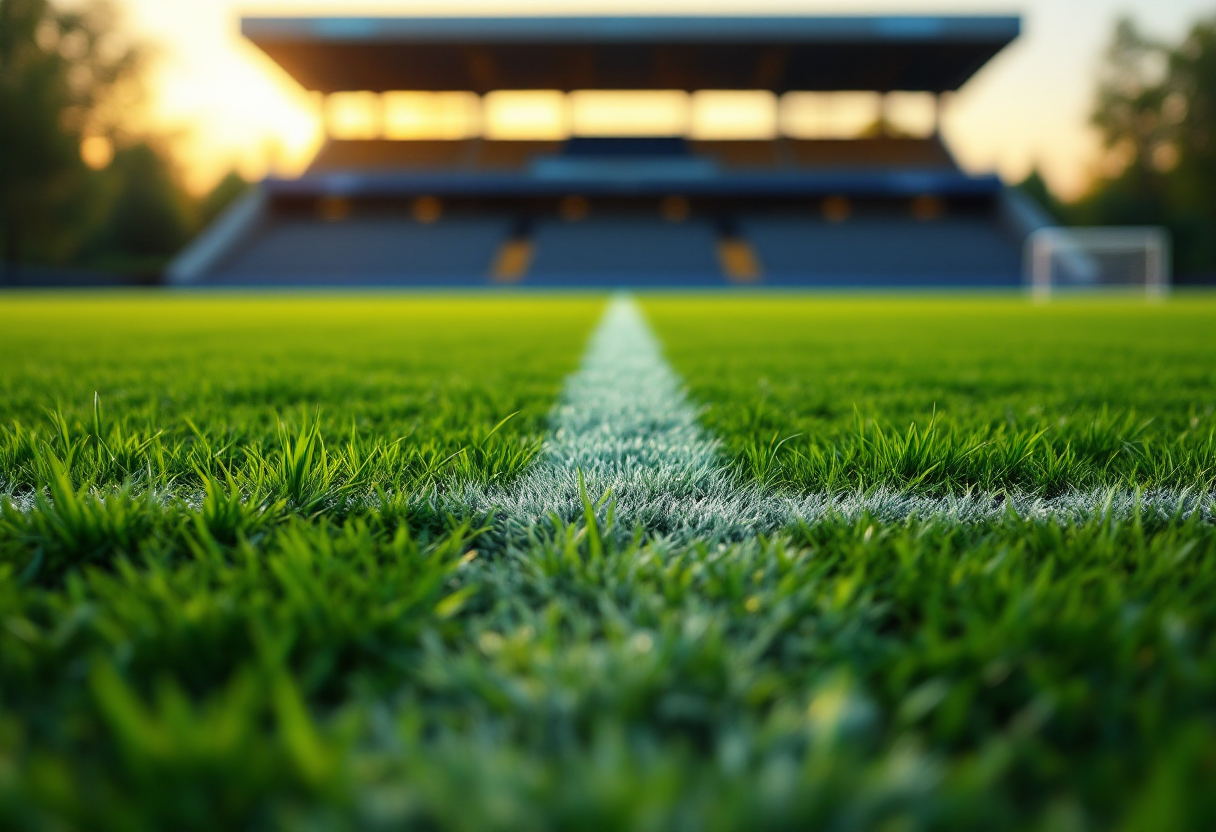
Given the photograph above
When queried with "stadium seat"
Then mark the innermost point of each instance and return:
(599, 250)
(368, 250)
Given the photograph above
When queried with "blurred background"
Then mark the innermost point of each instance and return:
(125, 127)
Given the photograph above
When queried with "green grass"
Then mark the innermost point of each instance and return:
(303, 399)
(207, 627)
(943, 394)
(1011, 676)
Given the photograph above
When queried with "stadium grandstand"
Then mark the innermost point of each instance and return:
(835, 191)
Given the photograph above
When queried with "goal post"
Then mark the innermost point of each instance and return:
(1129, 258)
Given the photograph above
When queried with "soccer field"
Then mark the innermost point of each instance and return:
(670, 562)
(1002, 393)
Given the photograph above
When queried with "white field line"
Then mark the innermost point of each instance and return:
(625, 421)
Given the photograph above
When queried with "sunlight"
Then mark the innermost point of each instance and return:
(525, 114)
(733, 114)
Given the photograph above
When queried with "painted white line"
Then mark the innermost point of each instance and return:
(625, 421)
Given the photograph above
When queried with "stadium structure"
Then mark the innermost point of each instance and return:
(880, 209)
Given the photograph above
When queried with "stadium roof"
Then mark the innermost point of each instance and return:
(481, 54)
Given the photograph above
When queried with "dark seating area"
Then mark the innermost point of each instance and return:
(365, 250)
(883, 249)
(599, 250)
(880, 209)
(661, 242)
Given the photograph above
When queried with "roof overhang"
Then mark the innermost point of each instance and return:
(480, 54)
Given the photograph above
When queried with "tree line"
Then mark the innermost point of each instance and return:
(79, 187)
(1155, 110)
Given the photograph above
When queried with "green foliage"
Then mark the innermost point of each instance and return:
(58, 72)
(1036, 187)
(1156, 110)
(68, 76)
(942, 395)
(225, 192)
(150, 217)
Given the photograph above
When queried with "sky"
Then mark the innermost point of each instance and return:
(229, 106)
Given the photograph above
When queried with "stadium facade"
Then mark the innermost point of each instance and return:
(880, 209)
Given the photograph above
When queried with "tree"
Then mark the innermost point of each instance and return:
(226, 191)
(149, 217)
(1156, 110)
(1035, 187)
(68, 84)
(58, 70)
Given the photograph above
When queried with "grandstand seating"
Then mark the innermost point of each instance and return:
(366, 250)
(598, 250)
(882, 249)
(880, 209)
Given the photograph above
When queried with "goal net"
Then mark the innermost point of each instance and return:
(1098, 258)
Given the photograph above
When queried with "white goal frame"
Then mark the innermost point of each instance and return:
(1074, 246)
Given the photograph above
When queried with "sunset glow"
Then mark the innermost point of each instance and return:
(231, 107)
(549, 114)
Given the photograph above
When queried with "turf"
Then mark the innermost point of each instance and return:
(322, 675)
(944, 394)
(167, 392)
(256, 634)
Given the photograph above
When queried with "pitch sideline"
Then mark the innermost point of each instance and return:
(625, 422)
